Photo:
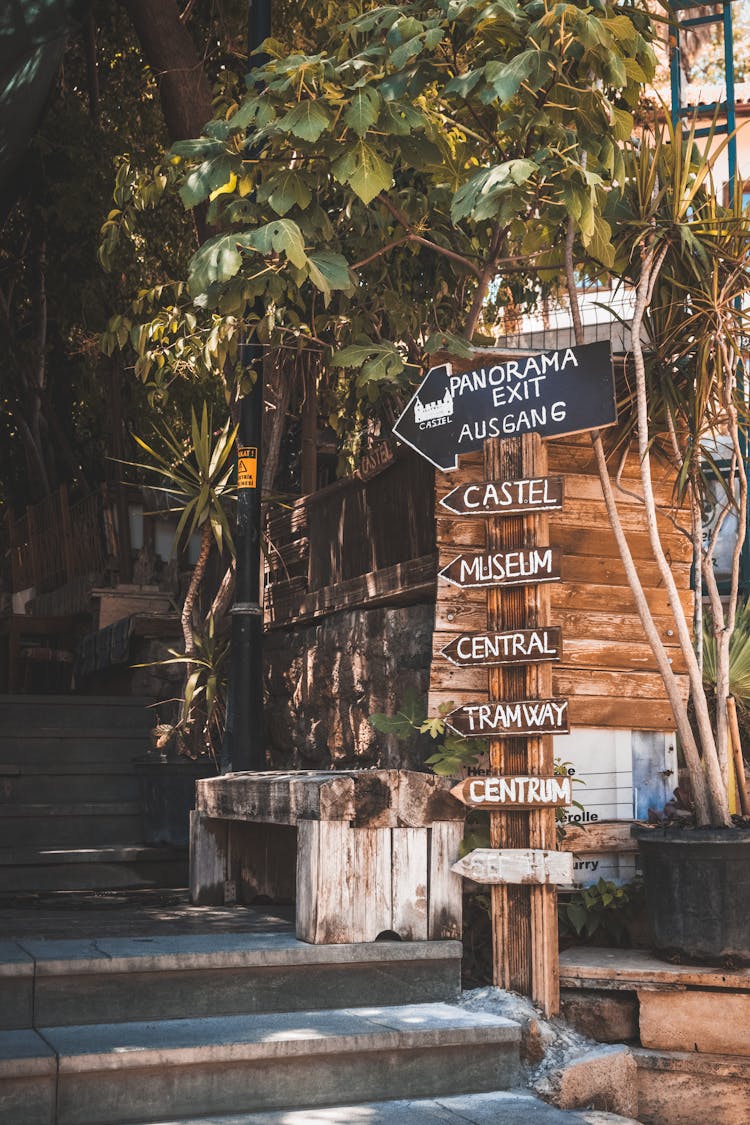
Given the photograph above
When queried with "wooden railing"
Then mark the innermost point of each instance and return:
(356, 542)
(55, 541)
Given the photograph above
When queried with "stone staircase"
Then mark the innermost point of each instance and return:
(689, 1025)
(252, 1028)
(70, 811)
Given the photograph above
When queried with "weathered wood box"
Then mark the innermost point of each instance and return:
(362, 854)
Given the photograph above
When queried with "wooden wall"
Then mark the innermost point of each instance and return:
(607, 672)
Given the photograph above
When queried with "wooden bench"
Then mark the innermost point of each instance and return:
(362, 853)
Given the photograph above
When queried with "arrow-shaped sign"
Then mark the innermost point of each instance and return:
(505, 720)
(504, 568)
(498, 793)
(549, 393)
(522, 646)
(503, 498)
(516, 866)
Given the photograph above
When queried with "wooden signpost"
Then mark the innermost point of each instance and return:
(505, 409)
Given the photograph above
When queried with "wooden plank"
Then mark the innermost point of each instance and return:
(515, 866)
(445, 889)
(505, 497)
(514, 792)
(393, 585)
(604, 836)
(371, 891)
(325, 852)
(510, 718)
(521, 646)
(614, 713)
(576, 653)
(208, 860)
(366, 798)
(308, 866)
(503, 568)
(623, 684)
(409, 883)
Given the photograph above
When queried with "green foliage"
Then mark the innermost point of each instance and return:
(195, 476)
(600, 912)
(416, 146)
(739, 655)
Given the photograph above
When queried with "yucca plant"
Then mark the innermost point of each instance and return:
(197, 481)
(196, 478)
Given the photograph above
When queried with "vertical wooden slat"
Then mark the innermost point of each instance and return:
(524, 920)
(445, 888)
(371, 896)
(308, 860)
(409, 878)
(208, 859)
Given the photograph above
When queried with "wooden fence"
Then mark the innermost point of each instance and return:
(353, 542)
(56, 541)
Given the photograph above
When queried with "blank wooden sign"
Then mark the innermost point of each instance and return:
(516, 866)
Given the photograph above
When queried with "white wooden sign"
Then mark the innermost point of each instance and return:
(515, 866)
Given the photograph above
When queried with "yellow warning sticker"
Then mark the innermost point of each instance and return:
(247, 466)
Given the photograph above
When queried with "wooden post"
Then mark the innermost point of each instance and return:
(524, 918)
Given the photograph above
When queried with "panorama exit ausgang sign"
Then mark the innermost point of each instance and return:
(550, 393)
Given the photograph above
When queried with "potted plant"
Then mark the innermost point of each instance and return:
(196, 477)
(686, 258)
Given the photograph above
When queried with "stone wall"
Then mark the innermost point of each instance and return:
(323, 680)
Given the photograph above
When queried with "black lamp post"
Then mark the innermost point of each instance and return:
(244, 746)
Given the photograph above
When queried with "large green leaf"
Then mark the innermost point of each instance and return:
(285, 190)
(478, 197)
(204, 179)
(363, 110)
(280, 237)
(328, 271)
(364, 170)
(218, 260)
(308, 120)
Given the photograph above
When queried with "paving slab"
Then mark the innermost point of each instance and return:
(130, 912)
(496, 1108)
(228, 950)
(98, 1047)
(639, 968)
(15, 961)
(24, 1053)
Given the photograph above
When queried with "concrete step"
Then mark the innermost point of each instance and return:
(691, 1088)
(60, 983)
(498, 1107)
(76, 825)
(65, 711)
(109, 1074)
(50, 747)
(64, 782)
(81, 869)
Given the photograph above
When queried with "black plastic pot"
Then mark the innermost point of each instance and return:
(168, 795)
(697, 884)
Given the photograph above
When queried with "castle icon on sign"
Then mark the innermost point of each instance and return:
(434, 413)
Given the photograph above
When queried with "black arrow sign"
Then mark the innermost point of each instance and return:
(549, 393)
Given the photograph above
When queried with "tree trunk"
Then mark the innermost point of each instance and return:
(170, 52)
(186, 618)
